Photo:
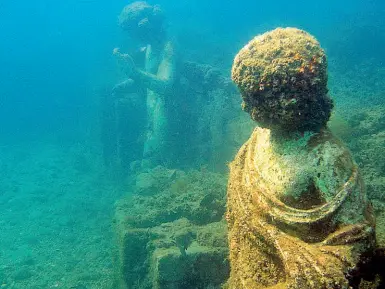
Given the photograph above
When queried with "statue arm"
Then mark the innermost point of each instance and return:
(127, 63)
(124, 87)
(160, 82)
(163, 80)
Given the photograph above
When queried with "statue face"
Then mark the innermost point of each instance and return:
(144, 22)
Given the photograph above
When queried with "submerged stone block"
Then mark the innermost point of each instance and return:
(201, 267)
(151, 258)
(175, 237)
(132, 257)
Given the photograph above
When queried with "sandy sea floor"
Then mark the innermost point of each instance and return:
(56, 208)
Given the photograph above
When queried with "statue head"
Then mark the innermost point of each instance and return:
(282, 77)
(144, 22)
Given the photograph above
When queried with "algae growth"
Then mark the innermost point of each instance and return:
(151, 127)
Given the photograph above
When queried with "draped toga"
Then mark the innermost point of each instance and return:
(298, 217)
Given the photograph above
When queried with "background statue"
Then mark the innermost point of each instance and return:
(146, 25)
(298, 214)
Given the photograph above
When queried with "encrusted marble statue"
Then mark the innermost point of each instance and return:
(297, 210)
(146, 24)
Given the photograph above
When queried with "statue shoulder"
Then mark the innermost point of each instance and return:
(258, 141)
(329, 148)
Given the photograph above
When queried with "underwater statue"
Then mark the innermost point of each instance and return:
(146, 25)
(297, 210)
